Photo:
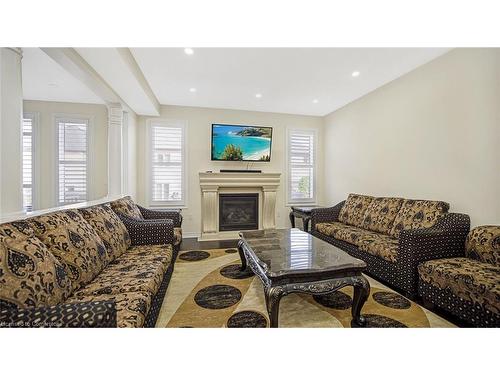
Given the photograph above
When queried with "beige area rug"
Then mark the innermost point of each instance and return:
(208, 290)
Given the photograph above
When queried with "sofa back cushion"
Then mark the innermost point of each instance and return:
(354, 208)
(109, 227)
(74, 243)
(483, 244)
(380, 214)
(30, 275)
(126, 206)
(418, 214)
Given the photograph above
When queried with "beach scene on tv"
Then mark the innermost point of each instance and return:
(241, 143)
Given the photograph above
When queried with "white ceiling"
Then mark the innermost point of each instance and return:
(44, 79)
(289, 79)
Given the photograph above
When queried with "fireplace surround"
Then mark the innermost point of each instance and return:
(212, 185)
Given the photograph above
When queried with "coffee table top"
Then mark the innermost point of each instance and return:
(288, 252)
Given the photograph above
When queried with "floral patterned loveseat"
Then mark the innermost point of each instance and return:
(392, 235)
(84, 268)
(467, 286)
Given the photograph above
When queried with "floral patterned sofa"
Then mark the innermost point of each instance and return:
(128, 210)
(392, 235)
(84, 268)
(467, 286)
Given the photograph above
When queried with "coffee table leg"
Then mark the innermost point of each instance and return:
(273, 298)
(292, 219)
(242, 256)
(361, 293)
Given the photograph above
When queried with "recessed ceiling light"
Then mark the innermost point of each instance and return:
(315, 101)
(355, 73)
(192, 89)
(188, 51)
(258, 96)
(52, 84)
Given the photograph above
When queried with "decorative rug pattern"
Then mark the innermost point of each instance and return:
(208, 290)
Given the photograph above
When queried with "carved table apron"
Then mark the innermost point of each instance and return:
(314, 284)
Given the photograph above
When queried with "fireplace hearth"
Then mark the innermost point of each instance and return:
(238, 212)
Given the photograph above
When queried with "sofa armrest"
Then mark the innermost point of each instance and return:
(445, 239)
(96, 314)
(173, 214)
(149, 232)
(325, 215)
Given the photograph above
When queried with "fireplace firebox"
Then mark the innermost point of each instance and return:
(238, 212)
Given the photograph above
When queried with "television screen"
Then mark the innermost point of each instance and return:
(241, 142)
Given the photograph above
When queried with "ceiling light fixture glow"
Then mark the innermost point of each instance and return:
(355, 73)
(188, 51)
(192, 89)
(258, 96)
(315, 101)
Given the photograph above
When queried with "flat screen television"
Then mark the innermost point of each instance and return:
(241, 142)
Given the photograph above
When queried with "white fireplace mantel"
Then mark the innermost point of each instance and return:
(211, 184)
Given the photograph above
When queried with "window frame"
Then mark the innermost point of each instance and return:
(167, 123)
(288, 192)
(71, 117)
(35, 158)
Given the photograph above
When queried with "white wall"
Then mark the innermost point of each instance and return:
(48, 146)
(433, 133)
(199, 122)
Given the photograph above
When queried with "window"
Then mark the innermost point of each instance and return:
(301, 148)
(29, 125)
(72, 160)
(167, 164)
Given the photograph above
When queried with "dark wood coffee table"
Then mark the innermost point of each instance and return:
(292, 261)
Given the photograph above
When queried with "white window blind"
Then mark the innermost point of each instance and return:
(72, 157)
(301, 168)
(28, 162)
(167, 164)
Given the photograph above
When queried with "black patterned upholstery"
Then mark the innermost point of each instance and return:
(444, 239)
(69, 315)
(149, 232)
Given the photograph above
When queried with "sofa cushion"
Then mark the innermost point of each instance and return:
(380, 245)
(109, 227)
(483, 244)
(30, 275)
(340, 231)
(74, 243)
(380, 214)
(469, 279)
(354, 208)
(141, 269)
(126, 206)
(131, 308)
(418, 214)
(177, 235)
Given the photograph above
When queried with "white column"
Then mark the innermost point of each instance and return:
(11, 152)
(115, 145)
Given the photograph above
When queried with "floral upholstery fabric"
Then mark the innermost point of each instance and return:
(177, 235)
(109, 227)
(418, 214)
(30, 275)
(131, 308)
(74, 243)
(381, 213)
(126, 206)
(340, 231)
(138, 270)
(483, 244)
(380, 245)
(469, 279)
(354, 209)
